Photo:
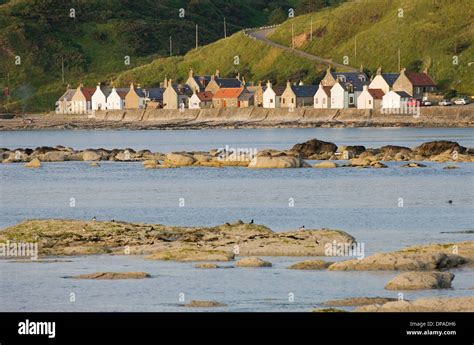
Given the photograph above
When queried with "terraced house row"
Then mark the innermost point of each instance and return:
(337, 90)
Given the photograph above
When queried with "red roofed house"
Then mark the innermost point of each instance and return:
(227, 98)
(370, 98)
(82, 100)
(417, 85)
(200, 100)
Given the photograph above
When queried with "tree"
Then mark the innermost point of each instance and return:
(308, 6)
(277, 16)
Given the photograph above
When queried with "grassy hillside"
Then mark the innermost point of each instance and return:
(429, 34)
(257, 61)
(94, 42)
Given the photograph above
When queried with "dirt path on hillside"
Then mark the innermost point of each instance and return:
(262, 35)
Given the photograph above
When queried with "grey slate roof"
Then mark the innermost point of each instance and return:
(357, 79)
(228, 82)
(68, 95)
(246, 96)
(156, 93)
(403, 94)
(183, 89)
(390, 78)
(202, 81)
(304, 90)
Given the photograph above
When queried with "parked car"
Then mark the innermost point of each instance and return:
(462, 101)
(445, 102)
(426, 103)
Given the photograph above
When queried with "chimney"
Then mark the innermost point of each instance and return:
(165, 83)
(361, 69)
(238, 76)
(132, 87)
(243, 81)
(300, 83)
(218, 73)
(425, 70)
(288, 84)
(139, 86)
(403, 70)
(213, 77)
(366, 88)
(269, 84)
(191, 73)
(379, 71)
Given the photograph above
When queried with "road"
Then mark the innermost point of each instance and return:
(262, 35)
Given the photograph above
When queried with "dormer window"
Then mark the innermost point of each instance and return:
(361, 77)
(341, 78)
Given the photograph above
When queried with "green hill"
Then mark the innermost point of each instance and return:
(93, 38)
(257, 61)
(429, 34)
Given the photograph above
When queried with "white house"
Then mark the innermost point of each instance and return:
(339, 97)
(200, 100)
(370, 98)
(322, 98)
(395, 100)
(383, 81)
(116, 99)
(99, 98)
(272, 96)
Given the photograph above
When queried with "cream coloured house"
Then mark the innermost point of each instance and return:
(370, 98)
(322, 97)
(272, 96)
(135, 98)
(383, 81)
(81, 102)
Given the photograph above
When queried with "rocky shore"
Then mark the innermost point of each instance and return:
(424, 267)
(331, 155)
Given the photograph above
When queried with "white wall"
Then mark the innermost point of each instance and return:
(365, 100)
(339, 98)
(321, 100)
(99, 101)
(391, 100)
(270, 99)
(114, 101)
(194, 102)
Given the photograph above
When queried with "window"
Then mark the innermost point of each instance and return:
(271, 100)
(283, 101)
(370, 102)
(292, 100)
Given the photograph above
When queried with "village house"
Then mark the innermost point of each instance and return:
(322, 97)
(200, 100)
(258, 91)
(272, 96)
(216, 83)
(383, 81)
(227, 98)
(176, 96)
(154, 97)
(395, 100)
(116, 98)
(197, 82)
(246, 99)
(64, 103)
(135, 98)
(82, 100)
(99, 98)
(370, 98)
(298, 95)
(417, 85)
(352, 84)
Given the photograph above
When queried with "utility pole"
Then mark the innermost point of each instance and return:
(171, 46)
(399, 67)
(197, 44)
(292, 36)
(8, 90)
(225, 29)
(311, 32)
(62, 68)
(355, 48)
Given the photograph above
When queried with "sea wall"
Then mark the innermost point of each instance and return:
(442, 116)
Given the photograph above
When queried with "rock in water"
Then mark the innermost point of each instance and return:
(252, 262)
(437, 147)
(420, 281)
(179, 159)
(206, 265)
(279, 162)
(325, 165)
(314, 146)
(310, 265)
(113, 275)
(89, 156)
(358, 301)
(33, 164)
(191, 254)
(436, 304)
(150, 164)
(204, 304)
